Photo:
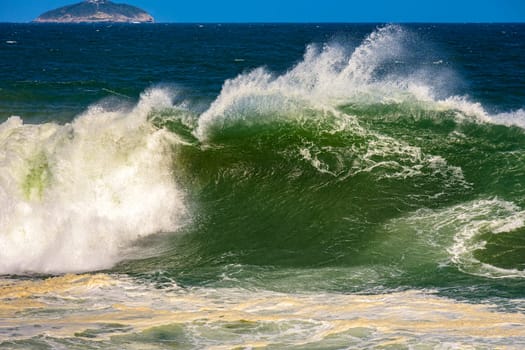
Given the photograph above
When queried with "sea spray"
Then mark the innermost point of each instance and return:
(75, 196)
(330, 76)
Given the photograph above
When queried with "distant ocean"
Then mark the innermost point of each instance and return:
(262, 186)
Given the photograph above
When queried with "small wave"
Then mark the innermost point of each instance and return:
(457, 234)
(482, 217)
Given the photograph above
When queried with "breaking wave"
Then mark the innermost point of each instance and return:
(75, 196)
(344, 146)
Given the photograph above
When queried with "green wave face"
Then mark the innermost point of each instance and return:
(354, 197)
(341, 175)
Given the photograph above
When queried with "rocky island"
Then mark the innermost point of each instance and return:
(93, 11)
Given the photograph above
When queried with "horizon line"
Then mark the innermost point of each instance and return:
(272, 22)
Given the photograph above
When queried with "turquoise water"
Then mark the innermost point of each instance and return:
(262, 186)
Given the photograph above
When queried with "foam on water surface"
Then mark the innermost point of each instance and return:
(113, 311)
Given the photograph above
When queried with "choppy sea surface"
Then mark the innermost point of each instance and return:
(264, 186)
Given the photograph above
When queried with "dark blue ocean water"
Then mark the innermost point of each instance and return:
(55, 71)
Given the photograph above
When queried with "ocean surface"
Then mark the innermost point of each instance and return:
(262, 186)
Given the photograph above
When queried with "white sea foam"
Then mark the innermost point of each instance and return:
(331, 75)
(74, 196)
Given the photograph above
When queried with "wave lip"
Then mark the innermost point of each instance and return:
(484, 217)
(325, 75)
(75, 196)
(331, 75)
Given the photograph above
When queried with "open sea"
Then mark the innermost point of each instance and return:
(262, 186)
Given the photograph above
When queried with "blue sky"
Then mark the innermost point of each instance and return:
(297, 10)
